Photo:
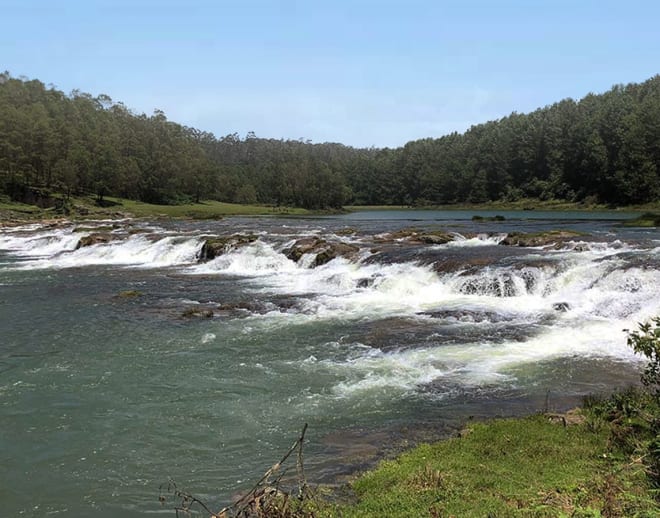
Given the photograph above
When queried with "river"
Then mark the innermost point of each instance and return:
(130, 361)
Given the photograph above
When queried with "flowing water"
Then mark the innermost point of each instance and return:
(105, 394)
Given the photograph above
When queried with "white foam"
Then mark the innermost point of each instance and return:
(42, 244)
(473, 364)
(254, 260)
(207, 338)
(134, 251)
(461, 241)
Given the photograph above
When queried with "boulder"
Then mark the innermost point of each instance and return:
(325, 251)
(540, 238)
(413, 235)
(96, 238)
(216, 246)
(434, 238)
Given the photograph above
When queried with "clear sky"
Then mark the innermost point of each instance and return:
(360, 72)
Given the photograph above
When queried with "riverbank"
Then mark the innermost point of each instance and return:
(528, 204)
(86, 207)
(589, 462)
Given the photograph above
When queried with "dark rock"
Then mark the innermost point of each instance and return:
(96, 239)
(503, 286)
(467, 315)
(488, 218)
(325, 251)
(364, 283)
(427, 237)
(216, 246)
(195, 312)
(243, 305)
(129, 294)
(335, 250)
(471, 265)
(434, 238)
(539, 239)
(561, 306)
(348, 231)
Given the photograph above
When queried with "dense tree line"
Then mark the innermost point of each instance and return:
(603, 148)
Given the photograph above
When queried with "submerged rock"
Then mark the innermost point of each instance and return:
(467, 315)
(195, 312)
(216, 246)
(129, 294)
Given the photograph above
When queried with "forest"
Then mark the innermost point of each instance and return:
(603, 148)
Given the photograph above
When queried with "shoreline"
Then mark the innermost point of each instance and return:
(14, 213)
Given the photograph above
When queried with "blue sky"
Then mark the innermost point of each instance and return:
(361, 72)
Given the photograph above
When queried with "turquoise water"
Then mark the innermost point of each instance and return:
(103, 397)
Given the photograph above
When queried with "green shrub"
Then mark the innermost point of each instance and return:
(646, 341)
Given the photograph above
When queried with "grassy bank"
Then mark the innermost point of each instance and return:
(648, 219)
(601, 460)
(531, 466)
(202, 210)
(82, 207)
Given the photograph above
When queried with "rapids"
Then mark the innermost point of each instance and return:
(129, 361)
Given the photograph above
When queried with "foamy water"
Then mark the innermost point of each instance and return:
(104, 395)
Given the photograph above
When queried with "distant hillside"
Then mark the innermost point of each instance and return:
(604, 148)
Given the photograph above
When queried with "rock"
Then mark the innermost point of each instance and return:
(97, 238)
(129, 294)
(503, 286)
(488, 218)
(413, 235)
(468, 265)
(325, 251)
(538, 239)
(467, 315)
(561, 306)
(195, 312)
(216, 246)
(434, 238)
(364, 283)
(333, 251)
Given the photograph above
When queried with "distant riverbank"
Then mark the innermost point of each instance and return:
(87, 207)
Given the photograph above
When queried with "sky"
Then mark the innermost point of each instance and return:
(362, 72)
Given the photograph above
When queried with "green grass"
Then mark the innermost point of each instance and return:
(21, 208)
(513, 467)
(203, 210)
(648, 219)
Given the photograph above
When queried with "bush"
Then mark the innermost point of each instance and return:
(646, 341)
